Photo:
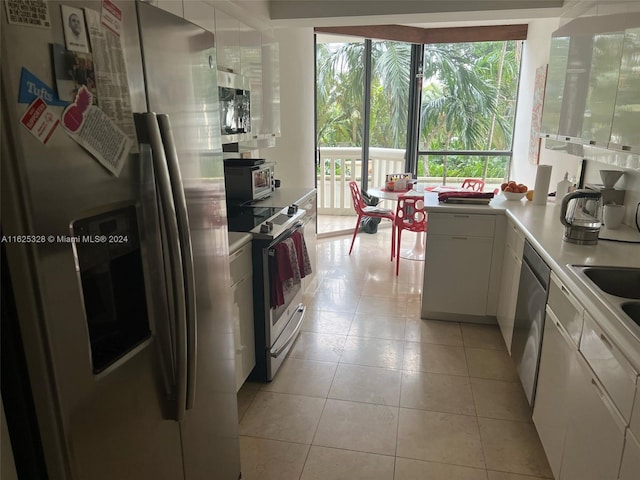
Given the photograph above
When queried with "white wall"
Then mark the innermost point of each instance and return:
(294, 150)
(535, 54)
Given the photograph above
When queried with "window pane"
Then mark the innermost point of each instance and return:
(340, 107)
(390, 68)
(469, 95)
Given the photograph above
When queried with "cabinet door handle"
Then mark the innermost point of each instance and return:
(235, 255)
(606, 342)
(461, 216)
(235, 285)
(459, 238)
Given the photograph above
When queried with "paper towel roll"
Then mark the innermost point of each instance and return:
(541, 188)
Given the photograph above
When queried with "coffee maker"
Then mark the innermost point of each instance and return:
(608, 194)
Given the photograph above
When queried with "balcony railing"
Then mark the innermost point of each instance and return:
(340, 165)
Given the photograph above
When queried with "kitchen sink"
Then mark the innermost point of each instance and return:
(633, 310)
(619, 281)
(617, 287)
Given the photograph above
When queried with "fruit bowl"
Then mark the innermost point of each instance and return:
(514, 195)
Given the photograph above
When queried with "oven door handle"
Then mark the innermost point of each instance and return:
(277, 349)
(297, 226)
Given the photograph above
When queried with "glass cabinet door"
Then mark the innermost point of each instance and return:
(555, 86)
(626, 117)
(602, 88)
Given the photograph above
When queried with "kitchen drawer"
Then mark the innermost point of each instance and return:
(566, 308)
(613, 370)
(630, 468)
(634, 425)
(462, 224)
(240, 262)
(595, 430)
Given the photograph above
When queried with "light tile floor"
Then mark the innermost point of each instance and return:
(370, 391)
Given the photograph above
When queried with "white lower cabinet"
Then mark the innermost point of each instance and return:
(595, 432)
(466, 260)
(460, 268)
(630, 467)
(551, 409)
(243, 326)
(510, 280)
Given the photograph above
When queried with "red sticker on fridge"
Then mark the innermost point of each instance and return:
(40, 120)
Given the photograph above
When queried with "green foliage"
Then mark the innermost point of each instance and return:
(468, 100)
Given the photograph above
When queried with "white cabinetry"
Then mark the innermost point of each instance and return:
(171, 6)
(461, 275)
(626, 117)
(558, 364)
(608, 363)
(251, 69)
(511, 263)
(227, 42)
(595, 433)
(241, 266)
(585, 394)
(200, 13)
(270, 85)
(630, 468)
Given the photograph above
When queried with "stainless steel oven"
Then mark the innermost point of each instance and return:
(276, 323)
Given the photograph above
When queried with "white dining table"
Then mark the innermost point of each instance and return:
(416, 251)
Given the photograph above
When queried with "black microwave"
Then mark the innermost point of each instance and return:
(234, 96)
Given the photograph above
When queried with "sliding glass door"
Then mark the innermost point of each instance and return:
(443, 112)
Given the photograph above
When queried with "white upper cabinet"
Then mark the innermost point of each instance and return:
(171, 6)
(592, 95)
(200, 13)
(270, 85)
(251, 69)
(555, 85)
(626, 118)
(575, 87)
(227, 42)
(601, 88)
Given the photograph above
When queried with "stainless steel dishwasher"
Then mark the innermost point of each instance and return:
(529, 319)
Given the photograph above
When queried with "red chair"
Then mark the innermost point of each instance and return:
(473, 184)
(367, 211)
(410, 215)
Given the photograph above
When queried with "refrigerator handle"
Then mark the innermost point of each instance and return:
(149, 132)
(187, 255)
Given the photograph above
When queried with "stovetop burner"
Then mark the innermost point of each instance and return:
(246, 218)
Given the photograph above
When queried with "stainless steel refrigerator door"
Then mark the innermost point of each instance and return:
(94, 426)
(180, 77)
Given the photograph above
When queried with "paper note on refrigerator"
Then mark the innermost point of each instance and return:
(40, 120)
(91, 128)
(112, 84)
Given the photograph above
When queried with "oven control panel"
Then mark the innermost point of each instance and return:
(279, 223)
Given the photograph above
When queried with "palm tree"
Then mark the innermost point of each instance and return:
(464, 95)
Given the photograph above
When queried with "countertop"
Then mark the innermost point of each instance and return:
(541, 226)
(285, 196)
